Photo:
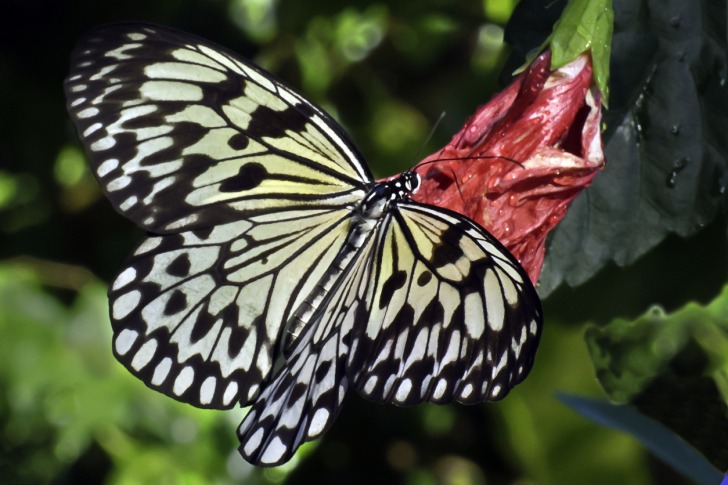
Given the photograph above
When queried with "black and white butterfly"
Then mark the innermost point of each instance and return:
(277, 272)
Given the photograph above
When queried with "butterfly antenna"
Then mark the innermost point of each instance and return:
(473, 157)
(429, 136)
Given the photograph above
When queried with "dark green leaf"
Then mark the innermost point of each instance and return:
(666, 148)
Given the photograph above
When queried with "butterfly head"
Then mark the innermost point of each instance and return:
(404, 185)
(409, 182)
(382, 195)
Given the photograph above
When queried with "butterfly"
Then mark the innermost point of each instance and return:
(277, 273)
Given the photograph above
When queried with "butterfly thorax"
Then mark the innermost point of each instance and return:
(383, 194)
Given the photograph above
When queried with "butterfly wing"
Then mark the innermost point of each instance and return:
(182, 133)
(431, 308)
(452, 316)
(197, 315)
(247, 187)
(305, 397)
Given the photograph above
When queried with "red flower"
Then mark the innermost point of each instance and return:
(522, 158)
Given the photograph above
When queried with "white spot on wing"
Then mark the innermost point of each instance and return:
(102, 144)
(253, 391)
(129, 203)
(516, 344)
(125, 304)
(184, 380)
(125, 340)
(118, 183)
(501, 364)
(107, 166)
(207, 390)
(230, 392)
(474, 317)
(148, 245)
(403, 391)
(369, 386)
(494, 301)
(184, 71)
(440, 389)
(144, 355)
(318, 422)
(161, 371)
(124, 278)
(253, 442)
(88, 113)
(274, 451)
(467, 391)
(170, 91)
(510, 293)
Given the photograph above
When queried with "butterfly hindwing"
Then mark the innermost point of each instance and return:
(182, 133)
(453, 316)
(305, 397)
(197, 314)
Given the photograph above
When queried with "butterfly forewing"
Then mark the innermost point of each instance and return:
(245, 180)
(277, 273)
(184, 134)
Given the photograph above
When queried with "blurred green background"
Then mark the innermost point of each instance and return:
(69, 413)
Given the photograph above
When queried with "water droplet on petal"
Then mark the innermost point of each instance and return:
(675, 130)
(675, 21)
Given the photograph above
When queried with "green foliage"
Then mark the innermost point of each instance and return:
(585, 25)
(63, 396)
(630, 354)
(660, 359)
